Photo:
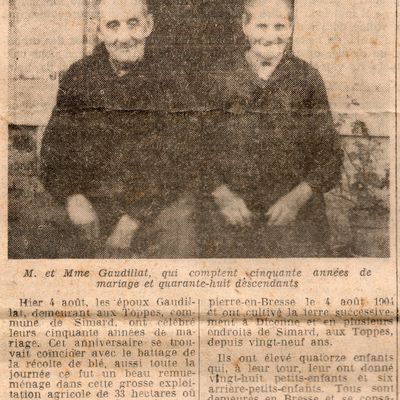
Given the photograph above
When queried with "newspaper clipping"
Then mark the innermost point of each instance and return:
(199, 200)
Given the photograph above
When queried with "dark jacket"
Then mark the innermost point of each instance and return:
(267, 137)
(122, 138)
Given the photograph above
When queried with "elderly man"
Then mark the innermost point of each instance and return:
(116, 150)
(274, 147)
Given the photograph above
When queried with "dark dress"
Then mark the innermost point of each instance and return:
(263, 139)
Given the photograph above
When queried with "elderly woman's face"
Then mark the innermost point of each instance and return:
(268, 28)
(124, 27)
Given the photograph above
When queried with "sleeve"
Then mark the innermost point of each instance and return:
(59, 164)
(325, 155)
(183, 126)
(213, 122)
(66, 166)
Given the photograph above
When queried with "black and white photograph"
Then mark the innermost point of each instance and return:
(200, 129)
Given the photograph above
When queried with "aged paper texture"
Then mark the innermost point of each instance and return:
(199, 200)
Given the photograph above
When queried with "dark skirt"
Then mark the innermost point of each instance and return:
(308, 237)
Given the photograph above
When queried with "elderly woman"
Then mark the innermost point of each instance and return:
(272, 147)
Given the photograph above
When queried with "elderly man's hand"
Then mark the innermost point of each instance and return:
(123, 233)
(232, 207)
(285, 210)
(83, 215)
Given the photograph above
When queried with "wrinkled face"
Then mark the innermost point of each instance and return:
(124, 27)
(268, 27)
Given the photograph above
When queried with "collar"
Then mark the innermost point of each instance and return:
(115, 69)
(248, 73)
(122, 69)
(262, 69)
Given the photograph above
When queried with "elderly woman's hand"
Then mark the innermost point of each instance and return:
(285, 210)
(232, 207)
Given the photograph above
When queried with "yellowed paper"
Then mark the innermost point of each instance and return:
(179, 296)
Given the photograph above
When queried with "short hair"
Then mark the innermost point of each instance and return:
(248, 3)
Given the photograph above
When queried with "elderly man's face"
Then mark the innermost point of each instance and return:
(268, 27)
(124, 27)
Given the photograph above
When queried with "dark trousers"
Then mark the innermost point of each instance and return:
(171, 234)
